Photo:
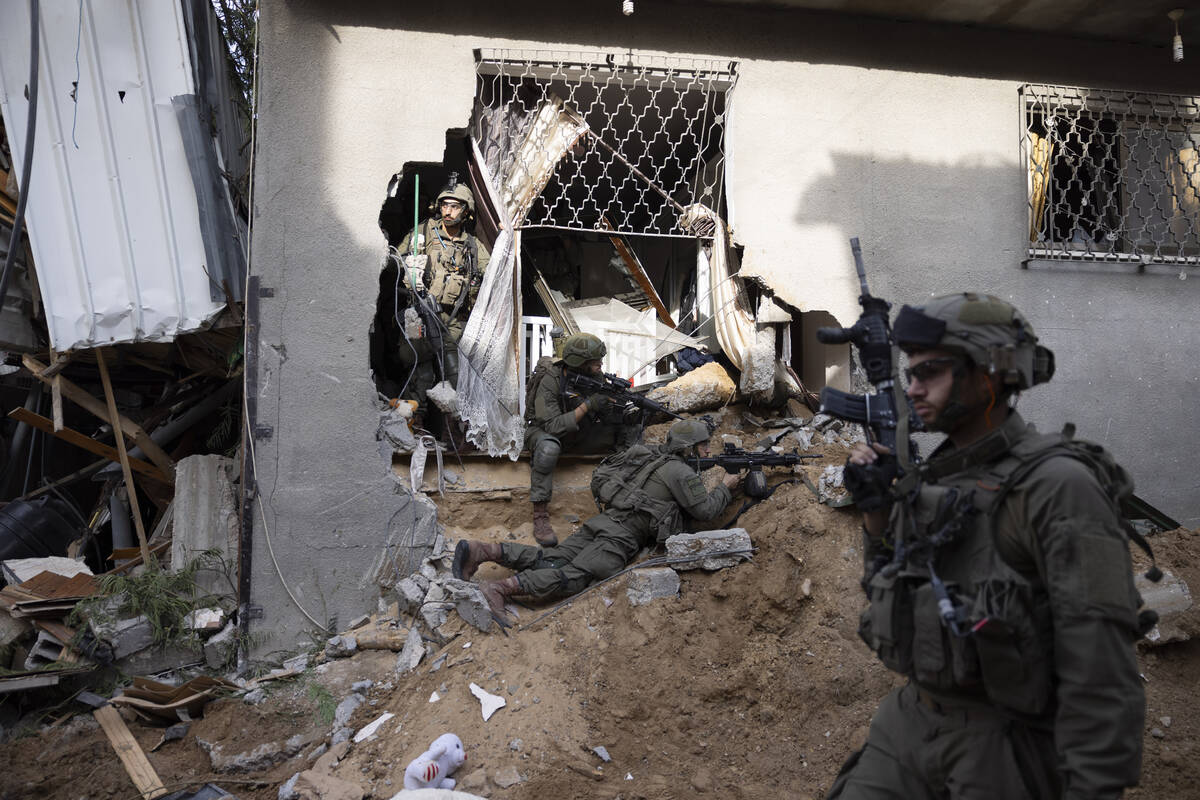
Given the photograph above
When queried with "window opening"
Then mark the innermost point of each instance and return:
(1112, 176)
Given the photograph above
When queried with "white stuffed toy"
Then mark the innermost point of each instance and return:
(431, 769)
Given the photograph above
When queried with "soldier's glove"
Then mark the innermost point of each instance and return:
(599, 404)
(870, 484)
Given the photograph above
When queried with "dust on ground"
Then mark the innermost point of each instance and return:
(753, 683)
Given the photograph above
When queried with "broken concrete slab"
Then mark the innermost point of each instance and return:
(470, 603)
(394, 433)
(412, 652)
(1170, 597)
(444, 397)
(124, 636)
(341, 646)
(262, 757)
(410, 594)
(699, 546)
(220, 650)
(758, 363)
(206, 518)
(205, 619)
(704, 388)
(643, 586)
(434, 615)
(346, 709)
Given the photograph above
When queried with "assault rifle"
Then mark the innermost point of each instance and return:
(734, 459)
(884, 415)
(618, 389)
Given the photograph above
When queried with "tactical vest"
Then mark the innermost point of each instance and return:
(948, 610)
(453, 269)
(617, 485)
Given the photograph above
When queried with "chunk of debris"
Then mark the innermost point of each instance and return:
(341, 646)
(507, 777)
(219, 650)
(1170, 597)
(394, 433)
(489, 703)
(262, 757)
(368, 730)
(758, 363)
(312, 785)
(410, 594)
(602, 752)
(19, 570)
(204, 619)
(412, 652)
(470, 603)
(346, 709)
(444, 397)
(831, 489)
(205, 520)
(699, 546)
(643, 586)
(704, 388)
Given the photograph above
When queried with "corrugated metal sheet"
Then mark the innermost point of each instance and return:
(124, 220)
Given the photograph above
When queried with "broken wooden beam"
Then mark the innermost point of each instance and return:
(115, 418)
(634, 265)
(136, 764)
(127, 426)
(86, 443)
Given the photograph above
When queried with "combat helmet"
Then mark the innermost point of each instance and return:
(988, 330)
(687, 433)
(458, 191)
(580, 348)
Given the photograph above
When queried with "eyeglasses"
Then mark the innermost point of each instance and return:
(453, 205)
(929, 369)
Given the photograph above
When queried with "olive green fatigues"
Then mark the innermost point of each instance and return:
(1038, 695)
(551, 429)
(455, 270)
(607, 542)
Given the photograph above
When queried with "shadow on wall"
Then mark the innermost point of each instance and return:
(775, 34)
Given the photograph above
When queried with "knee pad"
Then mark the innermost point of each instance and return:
(545, 455)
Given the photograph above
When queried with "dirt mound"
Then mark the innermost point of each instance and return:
(753, 683)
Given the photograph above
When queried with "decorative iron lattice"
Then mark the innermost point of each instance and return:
(1112, 176)
(653, 138)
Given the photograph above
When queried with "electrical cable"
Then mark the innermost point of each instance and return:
(27, 168)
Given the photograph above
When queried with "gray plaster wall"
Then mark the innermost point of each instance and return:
(905, 135)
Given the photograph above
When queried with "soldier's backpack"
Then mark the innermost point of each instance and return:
(617, 486)
(1111, 476)
(535, 380)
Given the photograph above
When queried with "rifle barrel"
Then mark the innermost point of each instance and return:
(856, 248)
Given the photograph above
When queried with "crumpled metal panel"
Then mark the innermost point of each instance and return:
(113, 214)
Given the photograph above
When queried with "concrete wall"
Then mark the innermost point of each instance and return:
(905, 135)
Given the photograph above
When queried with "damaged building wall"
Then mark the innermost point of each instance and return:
(904, 135)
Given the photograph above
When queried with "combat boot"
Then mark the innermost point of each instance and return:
(496, 592)
(469, 555)
(542, 531)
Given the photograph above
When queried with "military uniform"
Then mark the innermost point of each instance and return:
(1034, 690)
(551, 429)
(452, 278)
(607, 542)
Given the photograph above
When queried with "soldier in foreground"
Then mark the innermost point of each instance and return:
(645, 492)
(559, 419)
(999, 581)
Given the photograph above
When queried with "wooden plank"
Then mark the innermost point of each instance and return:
(86, 443)
(56, 402)
(115, 418)
(127, 426)
(639, 274)
(136, 764)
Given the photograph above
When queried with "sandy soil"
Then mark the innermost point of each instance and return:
(753, 683)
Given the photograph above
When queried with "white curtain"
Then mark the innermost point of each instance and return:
(488, 381)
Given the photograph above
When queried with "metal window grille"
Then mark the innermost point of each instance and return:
(655, 145)
(1112, 176)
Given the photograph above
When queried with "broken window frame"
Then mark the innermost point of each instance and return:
(1111, 176)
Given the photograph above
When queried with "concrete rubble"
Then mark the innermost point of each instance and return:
(698, 547)
(705, 388)
(1170, 597)
(206, 520)
(644, 586)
